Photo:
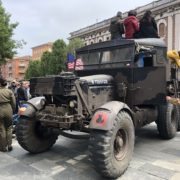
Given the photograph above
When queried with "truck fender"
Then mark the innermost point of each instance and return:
(105, 115)
(30, 107)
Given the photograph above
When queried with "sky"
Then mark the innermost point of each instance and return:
(42, 21)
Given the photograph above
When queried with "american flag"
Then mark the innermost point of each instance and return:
(70, 61)
(71, 65)
(79, 64)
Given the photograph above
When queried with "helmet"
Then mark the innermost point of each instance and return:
(132, 13)
(119, 14)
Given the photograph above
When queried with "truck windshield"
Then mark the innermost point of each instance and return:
(117, 55)
(90, 59)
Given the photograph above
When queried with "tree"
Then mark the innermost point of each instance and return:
(46, 63)
(33, 70)
(74, 44)
(60, 53)
(58, 57)
(51, 62)
(7, 44)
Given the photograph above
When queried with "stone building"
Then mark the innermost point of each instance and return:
(38, 51)
(167, 16)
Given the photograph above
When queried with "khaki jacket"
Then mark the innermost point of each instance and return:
(7, 96)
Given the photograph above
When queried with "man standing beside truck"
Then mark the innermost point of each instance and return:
(7, 105)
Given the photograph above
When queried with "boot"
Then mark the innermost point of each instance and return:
(3, 142)
(10, 148)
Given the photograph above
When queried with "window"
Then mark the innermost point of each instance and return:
(161, 55)
(118, 55)
(106, 57)
(10, 75)
(162, 30)
(91, 58)
(21, 68)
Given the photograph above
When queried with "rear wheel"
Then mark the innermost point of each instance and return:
(167, 122)
(33, 137)
(111, 151)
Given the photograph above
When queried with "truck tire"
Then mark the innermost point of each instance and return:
(168, 115)
(33, 137)
(111, 151)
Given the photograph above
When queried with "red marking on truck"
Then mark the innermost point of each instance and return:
(100, 118)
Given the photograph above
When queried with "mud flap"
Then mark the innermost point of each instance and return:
(105, 115)
(29, 108)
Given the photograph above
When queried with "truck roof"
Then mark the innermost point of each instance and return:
(123, 42)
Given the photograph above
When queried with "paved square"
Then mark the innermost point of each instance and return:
(153, 159)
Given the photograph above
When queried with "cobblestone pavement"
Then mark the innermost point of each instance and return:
(153, 159)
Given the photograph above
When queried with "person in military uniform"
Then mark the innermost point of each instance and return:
(7, 106)
(116, 26)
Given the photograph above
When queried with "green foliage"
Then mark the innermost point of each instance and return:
(34, 70)
(7, 44)
(74, 44)
(53, 62)
(59, 53)
(46, 63)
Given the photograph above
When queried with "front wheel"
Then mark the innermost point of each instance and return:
(33, 137)
(111, 151)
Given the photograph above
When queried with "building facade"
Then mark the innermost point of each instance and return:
(15, 68)
(38, 51)
(167, 16)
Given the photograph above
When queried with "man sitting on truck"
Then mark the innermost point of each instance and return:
(131, 24)
(116, 26)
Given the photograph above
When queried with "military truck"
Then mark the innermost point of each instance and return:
(114, 88)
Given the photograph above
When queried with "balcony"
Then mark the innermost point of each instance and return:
(21, 71)
(22, 65)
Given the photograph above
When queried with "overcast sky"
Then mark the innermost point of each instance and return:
(42, 21)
